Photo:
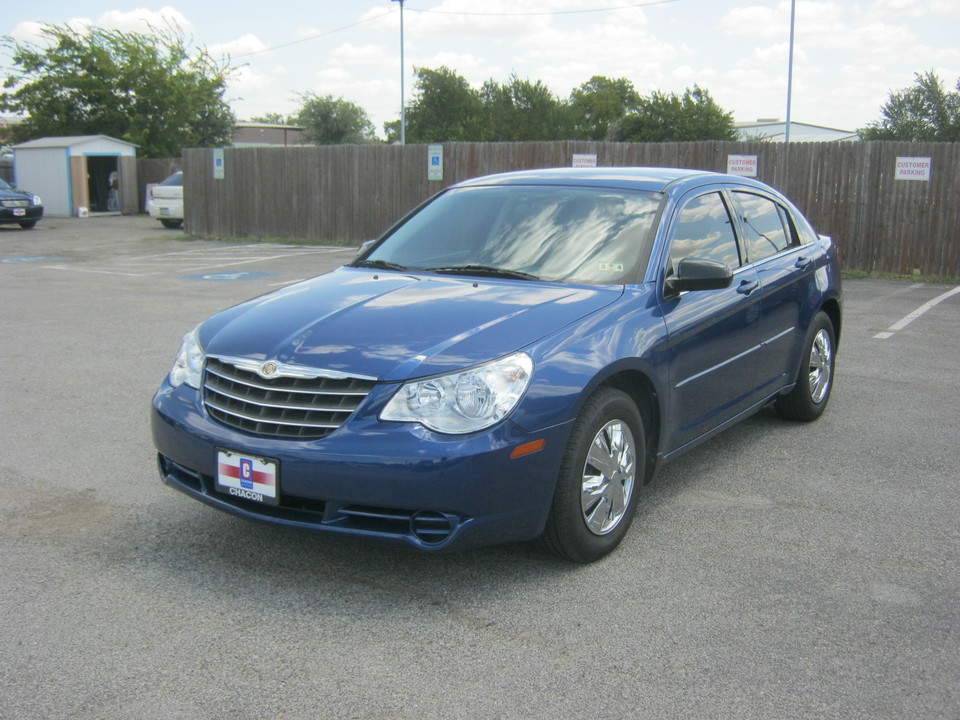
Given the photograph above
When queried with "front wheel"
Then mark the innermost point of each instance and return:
(809, 396)
(28, 224)
(597, 488)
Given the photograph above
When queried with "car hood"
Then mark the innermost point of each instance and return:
(396, 326)
(15, 194)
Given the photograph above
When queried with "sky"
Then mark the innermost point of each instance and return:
(847, 56)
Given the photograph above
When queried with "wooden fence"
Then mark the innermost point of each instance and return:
(351, 193)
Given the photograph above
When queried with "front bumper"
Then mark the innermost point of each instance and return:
(393, 482)
(32, 213)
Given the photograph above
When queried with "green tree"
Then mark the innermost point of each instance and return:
(444, 109)
(145, 89)
(273, 118)
(333, 121)
(522, 110)
(391, 130)
(668, 117)
(599, 104)
(925, 112)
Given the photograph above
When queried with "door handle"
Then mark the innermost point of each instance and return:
(748, 286)
(803, 262)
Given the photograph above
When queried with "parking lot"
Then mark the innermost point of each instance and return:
(780, 570)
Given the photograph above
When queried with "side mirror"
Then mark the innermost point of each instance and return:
(698, 274)
(362, 250)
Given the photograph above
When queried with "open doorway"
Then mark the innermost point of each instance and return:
(103, 183)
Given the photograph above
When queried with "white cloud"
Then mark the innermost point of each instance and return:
(28, 32)
(870, 38)
(690, 76)
(749, 22)
(247, 45)
(777, 56)
(813, 19)
(142, 21)
(253, 92)
(362, 54)
(333, 75)
(915, 8)
(146, 21)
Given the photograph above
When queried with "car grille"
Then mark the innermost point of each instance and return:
(281, 406)
(15, 203)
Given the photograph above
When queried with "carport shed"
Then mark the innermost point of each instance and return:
(74, 172)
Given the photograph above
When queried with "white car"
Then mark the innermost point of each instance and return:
(166, 201)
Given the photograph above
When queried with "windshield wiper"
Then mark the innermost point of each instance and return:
(483, 271)
(379, 264)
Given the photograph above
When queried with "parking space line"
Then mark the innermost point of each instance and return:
(72, 268)
(221, 254)
(210, 250)
(246, 261)
(907, 319)
(198, 260)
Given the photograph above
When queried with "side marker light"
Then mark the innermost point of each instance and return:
(527, 449)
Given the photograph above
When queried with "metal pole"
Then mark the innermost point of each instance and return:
(786, 134)
(403, 90)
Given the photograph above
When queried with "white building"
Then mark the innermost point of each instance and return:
(74, 172)
(774, 130)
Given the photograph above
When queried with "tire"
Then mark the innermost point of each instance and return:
(172, 224)
(600, 476)
(809, 396)
(28, 224)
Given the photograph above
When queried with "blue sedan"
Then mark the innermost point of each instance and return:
(512, 360)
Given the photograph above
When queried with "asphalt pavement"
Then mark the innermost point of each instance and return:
(781, 570)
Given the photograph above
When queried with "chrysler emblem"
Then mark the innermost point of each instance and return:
(268, 368)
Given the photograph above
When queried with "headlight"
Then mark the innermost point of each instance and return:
(466, 401)
(37, 200)
(189, 365)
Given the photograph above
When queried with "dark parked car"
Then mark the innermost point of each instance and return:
(19, 206)
(512, 360)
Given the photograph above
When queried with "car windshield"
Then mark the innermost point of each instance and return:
(175, 179)
(4, 185)
(561, 234)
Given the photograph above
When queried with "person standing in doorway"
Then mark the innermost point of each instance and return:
(113, 197)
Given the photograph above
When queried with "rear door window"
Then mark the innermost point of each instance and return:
(761, 219)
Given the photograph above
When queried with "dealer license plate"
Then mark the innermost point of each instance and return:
(19, 212)
(248, 476)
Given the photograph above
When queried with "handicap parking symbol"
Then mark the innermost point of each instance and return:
(229, 276)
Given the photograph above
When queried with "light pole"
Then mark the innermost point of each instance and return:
(793, 15)
(403, 91)
(786, 132)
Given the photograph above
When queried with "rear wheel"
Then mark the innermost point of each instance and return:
(809, 396)
(172, 224)
(597, 489)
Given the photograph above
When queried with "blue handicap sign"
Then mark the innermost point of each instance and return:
(229, 276)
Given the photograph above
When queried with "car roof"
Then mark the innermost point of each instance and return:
(632, 178)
